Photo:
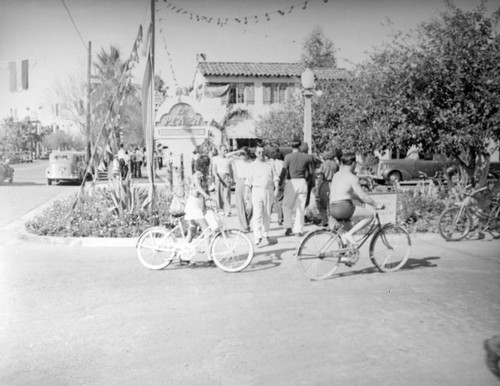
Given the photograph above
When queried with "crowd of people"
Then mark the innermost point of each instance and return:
(129, 161)
(283, 184)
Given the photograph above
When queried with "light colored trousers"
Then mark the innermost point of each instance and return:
(262, 201)
(294, 200)
(224, 193)
(241, 207)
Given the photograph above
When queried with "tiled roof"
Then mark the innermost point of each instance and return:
(267, 70)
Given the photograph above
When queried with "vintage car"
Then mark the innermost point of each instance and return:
(6, 172)
(395, 170)
(67, 166)
(26, 156)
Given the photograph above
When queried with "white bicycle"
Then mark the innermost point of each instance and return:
(230, 249)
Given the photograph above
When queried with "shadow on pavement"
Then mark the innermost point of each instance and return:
(420, 263)
(410, 264)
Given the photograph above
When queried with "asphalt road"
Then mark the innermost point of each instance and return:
(94, 315)
(28, 191)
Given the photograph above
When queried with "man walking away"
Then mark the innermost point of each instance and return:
(296, 169)
(325, 174)
(263, 183)
(241, 168)
(223, 173)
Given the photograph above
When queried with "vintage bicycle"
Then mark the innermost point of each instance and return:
(322, 251)
(456, 222)
(230, 249)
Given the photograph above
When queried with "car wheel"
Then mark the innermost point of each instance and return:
(395, 177)
(49, 181)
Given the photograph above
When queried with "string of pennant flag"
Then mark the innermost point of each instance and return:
(169, 55)
(249, 19)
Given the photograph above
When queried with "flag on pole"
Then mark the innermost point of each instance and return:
(24, 73)
(12, 76)
(19, 75)
(147, 109)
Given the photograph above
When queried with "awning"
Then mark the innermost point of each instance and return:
(242, 129)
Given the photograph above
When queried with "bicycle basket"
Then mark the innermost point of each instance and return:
(213, 220)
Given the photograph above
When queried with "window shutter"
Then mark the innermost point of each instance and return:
(225, 98)
(290, 90)
(249, 94)
(267, 94)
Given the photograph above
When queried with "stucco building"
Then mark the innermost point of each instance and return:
(234, 92)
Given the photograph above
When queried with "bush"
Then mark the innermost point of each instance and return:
(419, 213)
(94, 216)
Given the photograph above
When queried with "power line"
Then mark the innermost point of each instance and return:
(74, 24)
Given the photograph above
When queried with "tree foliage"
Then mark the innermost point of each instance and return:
(282, 124)
(116, 98)
(318, 50)
(442, 90)
(20, 135)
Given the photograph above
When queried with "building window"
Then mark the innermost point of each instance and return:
(278, 92)
(241, 93)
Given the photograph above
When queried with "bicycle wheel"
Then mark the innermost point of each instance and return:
(316, 254)
(454, 223)
(231, 250)
(155, 248)
(390, 248)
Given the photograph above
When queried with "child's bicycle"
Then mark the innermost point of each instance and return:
(230, 249)
(322, 251)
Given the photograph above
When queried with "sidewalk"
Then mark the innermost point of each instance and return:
(287, 243)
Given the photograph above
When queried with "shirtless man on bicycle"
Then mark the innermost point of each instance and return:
(343, 189)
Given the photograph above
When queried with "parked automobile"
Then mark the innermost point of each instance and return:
(395, 170)
(6, 172)
(26, 156)
(68, 166)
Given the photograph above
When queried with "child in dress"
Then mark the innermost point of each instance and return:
(198, 193)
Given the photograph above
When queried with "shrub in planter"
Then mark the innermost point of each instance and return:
(419, 213)
(96, 215)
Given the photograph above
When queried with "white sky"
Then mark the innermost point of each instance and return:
(41, 30)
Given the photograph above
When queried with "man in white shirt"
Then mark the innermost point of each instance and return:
(263, 181)
(223, 173)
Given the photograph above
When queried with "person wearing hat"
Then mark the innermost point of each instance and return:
(326, 171)
(297, 168)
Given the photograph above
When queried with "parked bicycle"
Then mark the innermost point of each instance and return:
(456, 222)
(230, 249)
(322, 251)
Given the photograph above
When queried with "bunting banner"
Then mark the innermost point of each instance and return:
(245, 19)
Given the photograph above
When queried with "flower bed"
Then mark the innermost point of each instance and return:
(94, 216)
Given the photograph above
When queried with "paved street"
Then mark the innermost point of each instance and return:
(95, 315)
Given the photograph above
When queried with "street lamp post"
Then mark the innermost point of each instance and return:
(307, 80)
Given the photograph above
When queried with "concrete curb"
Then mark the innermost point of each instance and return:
(115, 242)
(22, 234)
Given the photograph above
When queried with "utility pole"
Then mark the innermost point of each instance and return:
(89, 63)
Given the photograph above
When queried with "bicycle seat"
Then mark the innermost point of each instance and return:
(341, 224)
(177, 214)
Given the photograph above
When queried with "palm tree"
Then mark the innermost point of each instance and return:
(115, 97)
